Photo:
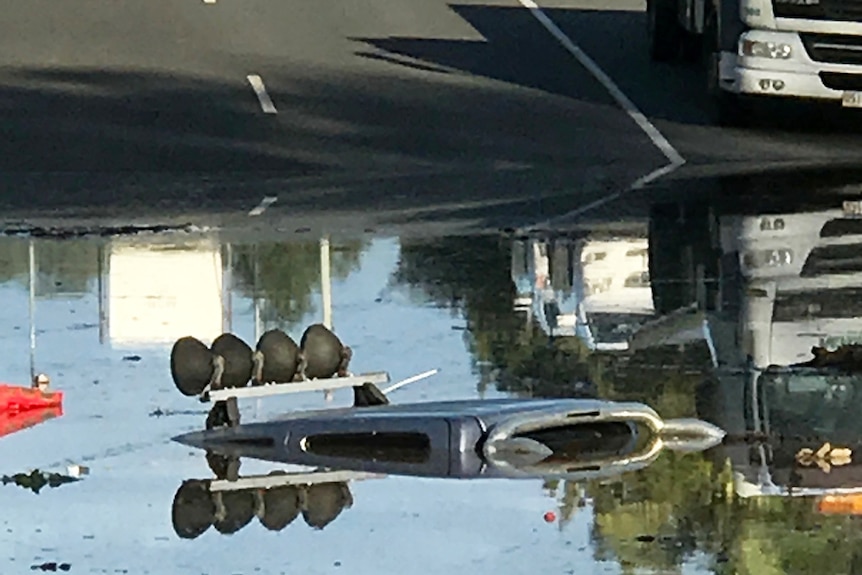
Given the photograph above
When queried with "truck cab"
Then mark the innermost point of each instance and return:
(797, 49)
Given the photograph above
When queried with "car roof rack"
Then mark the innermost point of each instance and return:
(273, 389)
(290, 478)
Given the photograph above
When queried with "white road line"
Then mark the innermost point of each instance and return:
(627, 105)
(675, 158)
(209, 1)
(260, 90)
(637, 185)
(263, 205)
(654, 175)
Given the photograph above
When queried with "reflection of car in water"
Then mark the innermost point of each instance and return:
(770, 287)
(597, 290)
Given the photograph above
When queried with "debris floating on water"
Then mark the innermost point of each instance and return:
(825, 458)
(36, 480)
(51, 566)
(103, 231)
(159, 412)
(77, 470)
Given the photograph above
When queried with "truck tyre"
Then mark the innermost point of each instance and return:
(692, 47)
(724, 108)
(663, 30)
(677, 248)
(666, 268)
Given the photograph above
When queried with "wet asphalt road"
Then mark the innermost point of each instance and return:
(388, 113)
(154, 111)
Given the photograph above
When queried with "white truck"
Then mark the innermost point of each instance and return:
(757, 49)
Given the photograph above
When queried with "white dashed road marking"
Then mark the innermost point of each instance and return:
(676, 160)
(263, 205)
(260, 91)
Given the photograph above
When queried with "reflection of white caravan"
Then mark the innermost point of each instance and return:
(592, 289)
(156, 294)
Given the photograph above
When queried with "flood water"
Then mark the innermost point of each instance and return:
(481, 309)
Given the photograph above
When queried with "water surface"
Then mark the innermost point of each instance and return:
(499, 316)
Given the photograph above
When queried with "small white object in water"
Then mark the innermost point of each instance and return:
(77, 470)
(41, 382)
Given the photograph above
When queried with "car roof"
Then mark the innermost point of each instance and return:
(450, 409)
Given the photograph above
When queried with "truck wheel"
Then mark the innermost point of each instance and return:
(666, 268)
(724, 108)
(663, 31)
(692, 47)
(677, 248)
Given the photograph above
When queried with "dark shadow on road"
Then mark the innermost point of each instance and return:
(406, 63)
(769, 191)
(107, 121)
(140, 143)
(422, 145)
(616, 40)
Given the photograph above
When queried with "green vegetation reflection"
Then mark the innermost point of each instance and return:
(65, 267)
(287, 275)
(682, 508)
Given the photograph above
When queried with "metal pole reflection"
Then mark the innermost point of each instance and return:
(326, 281)
(32, 311)
(326, 292)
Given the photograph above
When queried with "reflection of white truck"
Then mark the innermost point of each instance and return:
(804, 285)
(593, 289)
(787, 281)
(799, 282)
(772, 48)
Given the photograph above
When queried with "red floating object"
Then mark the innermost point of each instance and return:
(17, 399)
(550, 517)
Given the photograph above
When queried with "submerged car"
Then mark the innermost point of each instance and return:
(504, 438)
